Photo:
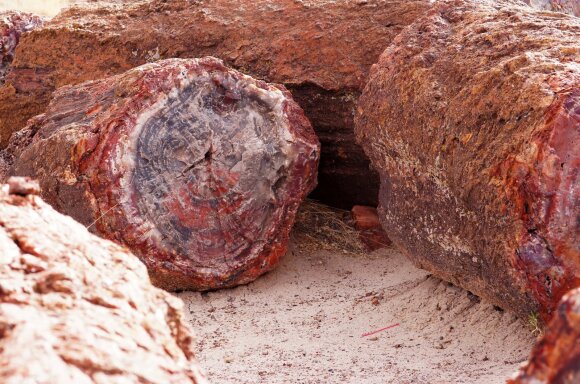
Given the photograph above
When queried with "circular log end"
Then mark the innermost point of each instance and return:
(201, 170)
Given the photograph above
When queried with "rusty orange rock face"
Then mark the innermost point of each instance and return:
(556, 357)
(472, 116)
(321, 50)
(197, 168)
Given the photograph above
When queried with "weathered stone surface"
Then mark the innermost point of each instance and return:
(12, 26)
(556, 357)
(320, 49)
(198, 168)
(567, 6)
(78, 309)
(472, 116)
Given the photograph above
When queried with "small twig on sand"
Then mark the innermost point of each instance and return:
(379, 330)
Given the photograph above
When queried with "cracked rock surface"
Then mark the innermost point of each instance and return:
(197, 168)
(78, 309)
(472, 116)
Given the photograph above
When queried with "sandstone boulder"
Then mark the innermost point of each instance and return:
(78, 309)
(12, 26)
(321, 50)
(556, 357)
(472, 116)
(197, 168)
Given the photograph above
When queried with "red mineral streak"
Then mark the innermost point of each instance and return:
(546, 193)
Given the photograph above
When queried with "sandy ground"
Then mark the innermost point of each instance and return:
(303, 323)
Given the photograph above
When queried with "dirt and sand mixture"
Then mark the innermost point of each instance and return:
(303, 323)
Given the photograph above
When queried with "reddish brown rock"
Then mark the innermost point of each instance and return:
(366, 221)
(12, 26)
(321, 50)
(556, 357)
(197, 168)
(567, 6)
(78, 309)
(472, 116)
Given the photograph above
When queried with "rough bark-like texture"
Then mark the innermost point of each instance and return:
(320, 49)
(198, 168)
(567, 6)
(12, 26)
(78, 309)
(472, 116)
(556, 357)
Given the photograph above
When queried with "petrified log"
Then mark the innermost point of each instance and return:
(78, 309)
(472, 116)
(320, 49)
(197, 168)
(12, 26)
(556, 357)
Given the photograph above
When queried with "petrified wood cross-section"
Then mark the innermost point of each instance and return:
(197, 168)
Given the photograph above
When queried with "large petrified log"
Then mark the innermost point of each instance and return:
(320, 49)
(198, 168)
(472, 116)
(556, 357)
(78, 309)
(12, 26)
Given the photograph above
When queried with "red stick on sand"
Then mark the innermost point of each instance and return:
(379, 330)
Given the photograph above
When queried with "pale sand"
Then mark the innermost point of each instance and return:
(303, 323)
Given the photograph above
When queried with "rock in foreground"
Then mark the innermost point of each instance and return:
(78, 309)
(12, 26)
(197, 168)
(321, 50)
(472, 116)
(556, 357)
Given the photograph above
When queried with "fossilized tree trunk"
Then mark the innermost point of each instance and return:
(472, 117)
(321, 50)
(556, 357)
(197, 168)
(78, 309)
